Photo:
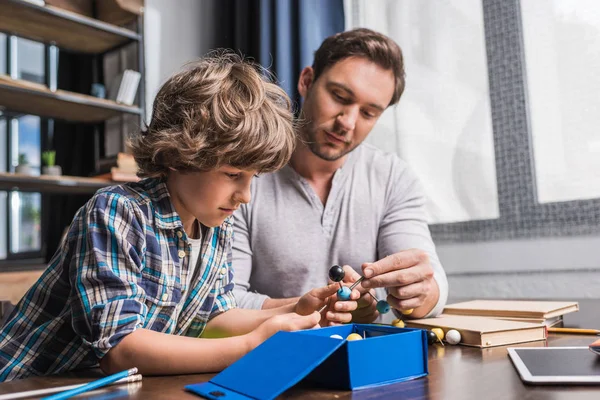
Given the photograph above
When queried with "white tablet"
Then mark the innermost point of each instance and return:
(556, 365)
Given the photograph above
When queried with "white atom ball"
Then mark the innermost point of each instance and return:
(453, 336)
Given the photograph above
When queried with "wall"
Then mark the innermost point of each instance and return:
(552, 268)
(175, 33)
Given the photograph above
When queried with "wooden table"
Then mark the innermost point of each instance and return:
(455, 372)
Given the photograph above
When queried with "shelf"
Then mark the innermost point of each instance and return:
(51, 184)
(67, 30)
(37, 99)
(13, 285)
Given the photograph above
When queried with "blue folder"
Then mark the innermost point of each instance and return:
(386, 355)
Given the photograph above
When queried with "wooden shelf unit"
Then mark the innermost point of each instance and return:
(65, 29)
(52, 184)
(34, 98)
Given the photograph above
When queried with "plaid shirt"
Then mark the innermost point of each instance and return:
(118, 269)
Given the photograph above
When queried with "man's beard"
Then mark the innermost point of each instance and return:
(316, 147)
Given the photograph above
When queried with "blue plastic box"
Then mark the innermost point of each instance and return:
(386, 355)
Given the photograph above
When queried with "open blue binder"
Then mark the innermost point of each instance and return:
(386, 355)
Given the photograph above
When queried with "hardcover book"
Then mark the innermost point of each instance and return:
(483, 331)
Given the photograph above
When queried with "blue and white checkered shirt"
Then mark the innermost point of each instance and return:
(118, 269)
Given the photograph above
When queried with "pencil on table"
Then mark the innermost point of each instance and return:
(47, 391)
(579, 331)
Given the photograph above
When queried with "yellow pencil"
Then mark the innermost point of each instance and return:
(574, 330)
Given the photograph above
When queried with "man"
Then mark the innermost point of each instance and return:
(340, 202)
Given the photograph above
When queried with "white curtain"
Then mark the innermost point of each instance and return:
(442, 126)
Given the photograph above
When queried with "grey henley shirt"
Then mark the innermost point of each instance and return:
(285, 240)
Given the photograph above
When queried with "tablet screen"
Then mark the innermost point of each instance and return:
(556, 364)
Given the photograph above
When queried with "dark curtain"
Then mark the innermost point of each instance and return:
(76, 145)
(281, 35)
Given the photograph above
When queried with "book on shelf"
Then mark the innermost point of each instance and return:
(483, 331)
(124, 87)
(116, 175)
(119, 168)
(535, 311)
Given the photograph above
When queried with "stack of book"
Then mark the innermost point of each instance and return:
(121, 168)
(548, 313)
(124, 87)
(487, 323)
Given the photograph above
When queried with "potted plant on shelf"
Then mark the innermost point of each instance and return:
(49, 167)
(23, 166)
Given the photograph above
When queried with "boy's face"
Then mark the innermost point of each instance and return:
(210, 196)
(343, 104)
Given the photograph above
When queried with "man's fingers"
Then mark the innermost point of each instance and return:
(405, 304)
(338, 317)
(365, 312)
(350, 275)
(345, 306)
(401, 277)
(409, 291)
(400, 260)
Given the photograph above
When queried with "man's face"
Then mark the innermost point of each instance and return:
(211, 196)
(342, 105)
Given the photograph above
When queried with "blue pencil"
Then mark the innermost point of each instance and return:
(92, 385)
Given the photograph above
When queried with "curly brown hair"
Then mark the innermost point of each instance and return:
(362, 42)
(222, 109)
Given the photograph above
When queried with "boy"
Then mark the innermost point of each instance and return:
(145, 268)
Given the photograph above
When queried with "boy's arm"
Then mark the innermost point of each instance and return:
(105, 271)
(156, 353)
(241, 321)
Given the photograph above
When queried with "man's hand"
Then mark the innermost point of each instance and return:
(408, 277)
(366, 311)
(336, 311)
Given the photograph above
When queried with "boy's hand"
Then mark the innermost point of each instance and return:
(284, 322)
(336, 311)
(366, 311)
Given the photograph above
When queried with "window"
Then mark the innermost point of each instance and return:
(3, 195)
(442, 126)
(3, 53)
(541, 58)
(30, 60)
(562, 57)
(25, 140)
(21, 143)
(20, 212)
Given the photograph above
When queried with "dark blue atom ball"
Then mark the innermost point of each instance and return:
(383, 306)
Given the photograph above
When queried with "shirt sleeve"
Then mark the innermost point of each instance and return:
(404, 226)
(105, 270)
(223, 291)
(242, 261)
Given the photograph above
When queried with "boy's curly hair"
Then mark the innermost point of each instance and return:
(219, 110)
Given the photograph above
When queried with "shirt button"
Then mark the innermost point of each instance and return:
(181, 253)
(165, 297)
(223, 271)
(179, 234)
